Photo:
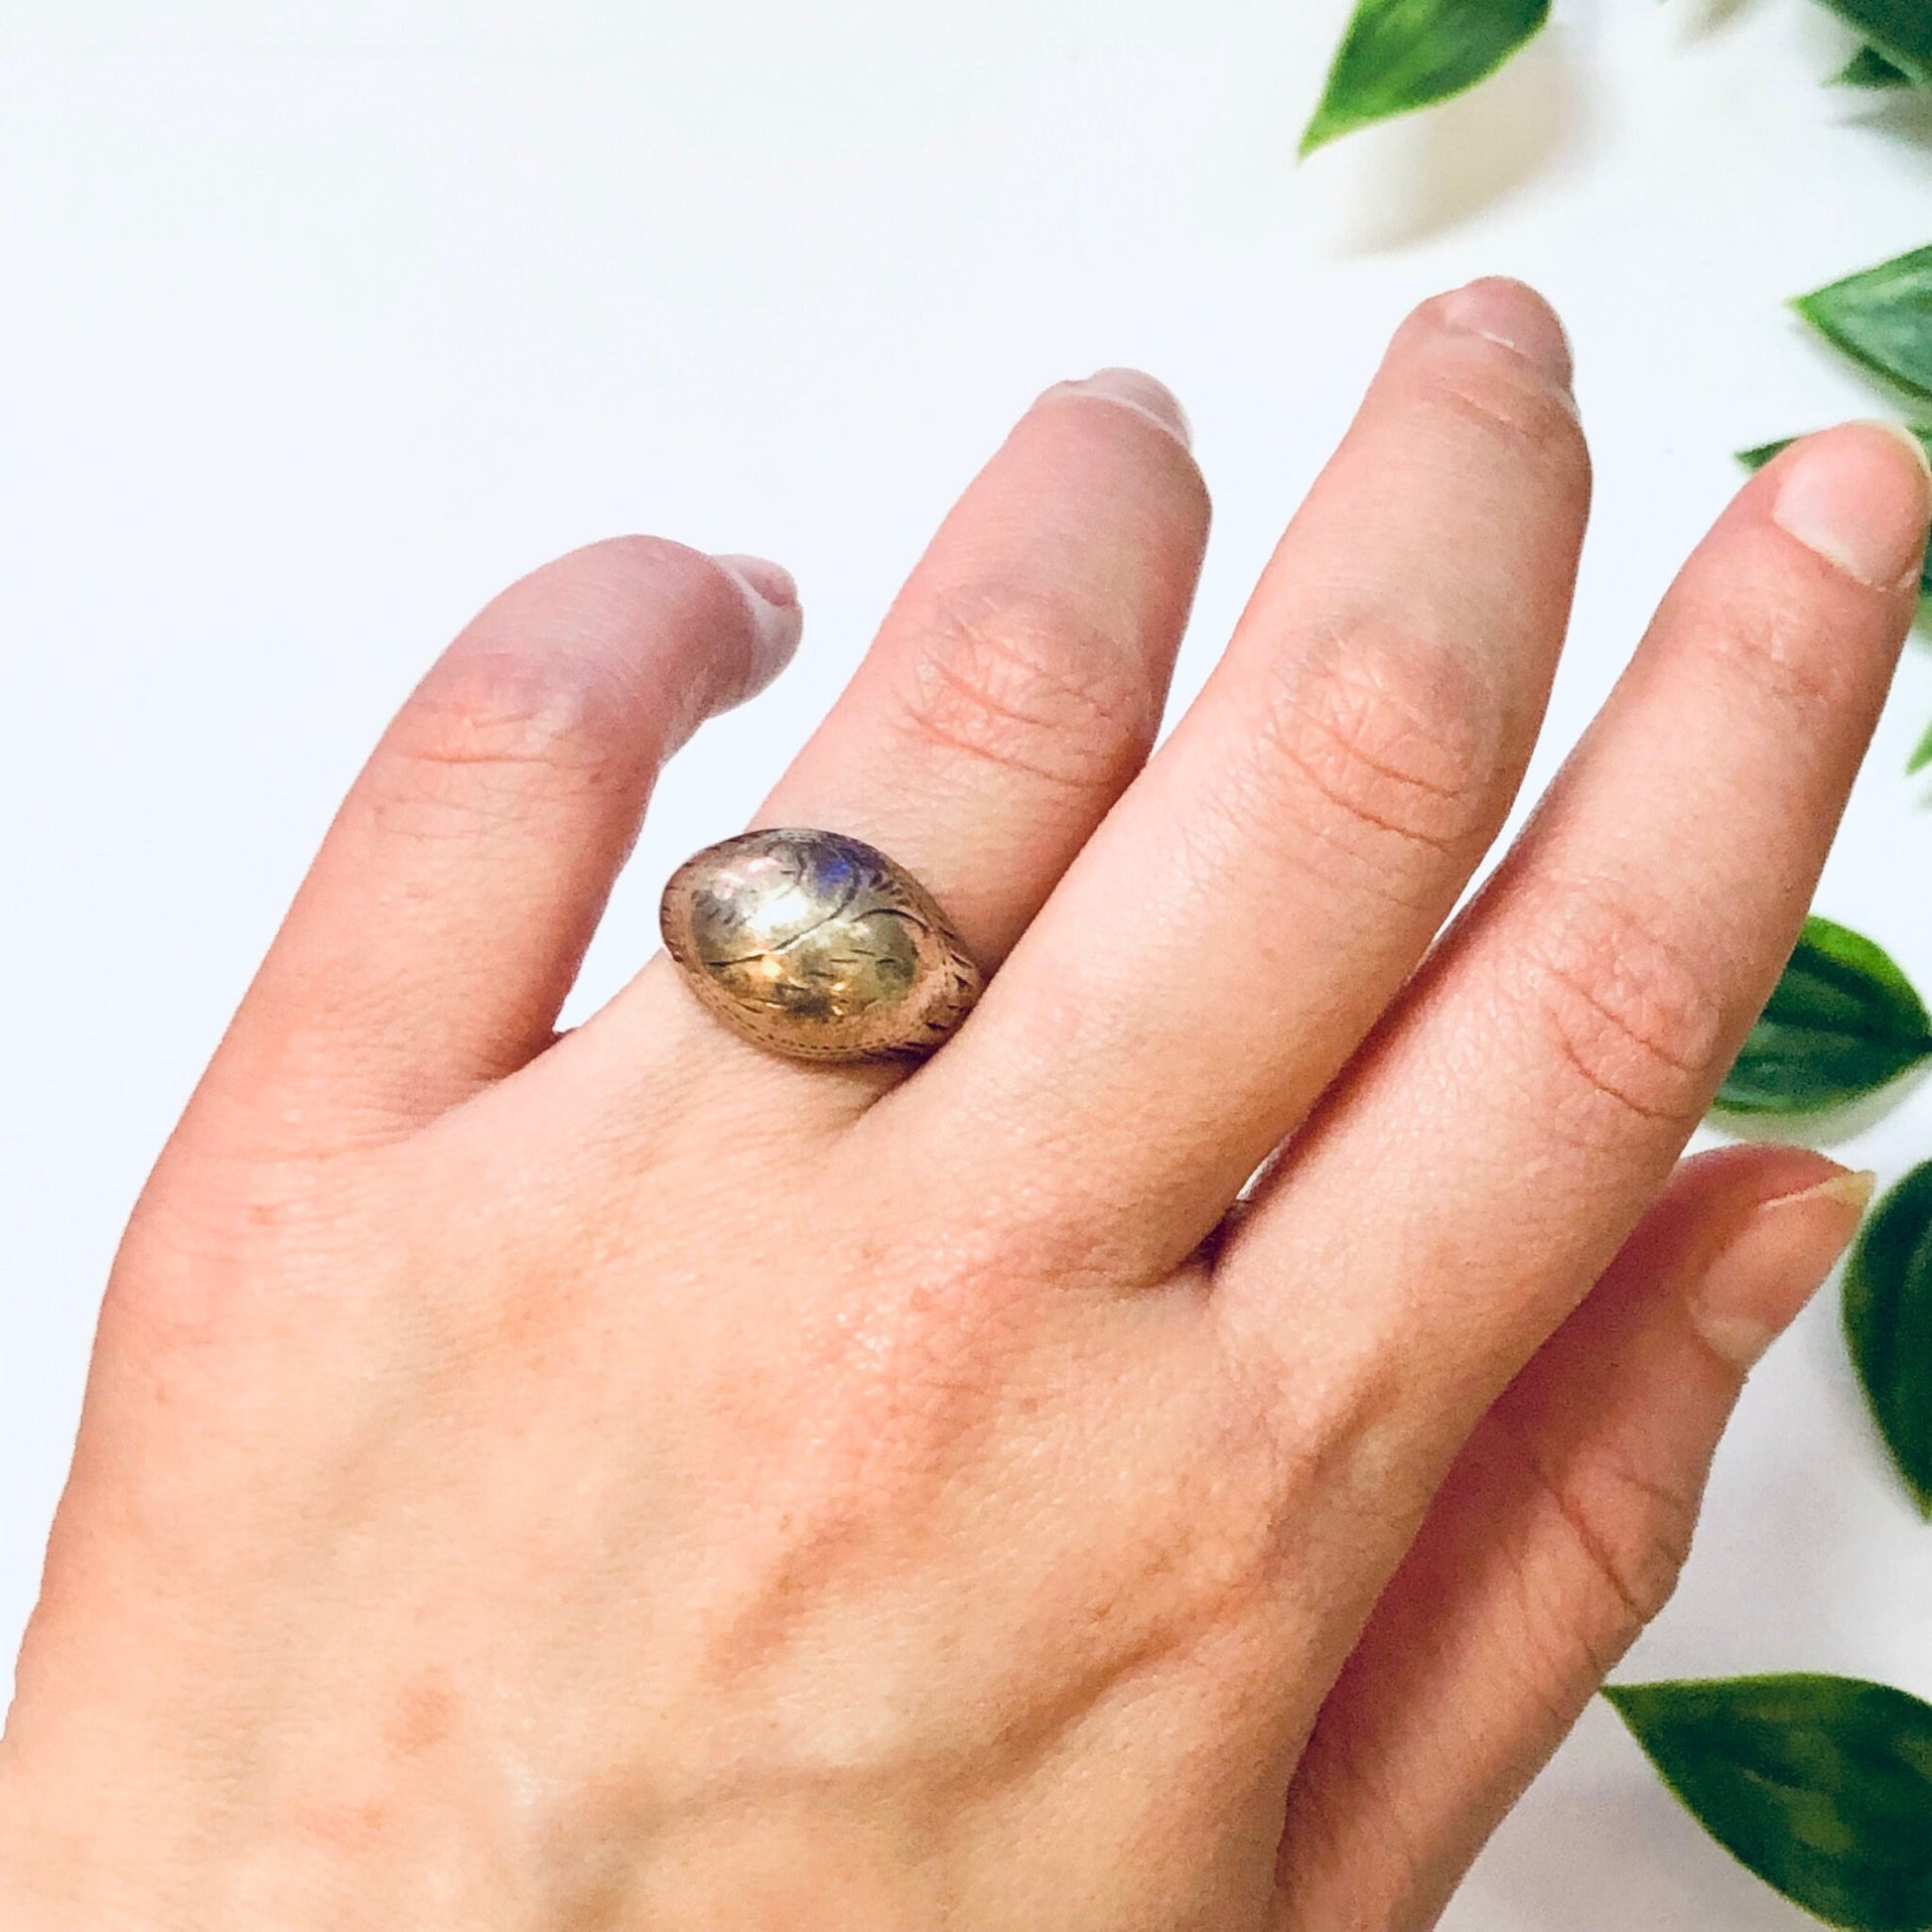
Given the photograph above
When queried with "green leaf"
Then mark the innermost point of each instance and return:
(1898, 32)
(1881, 318)
(1757, 460)
(1821, 1786)
(1888, 1324)
(1867, 68)
(1400, 54)
(1922, 755)
(1842, 1022)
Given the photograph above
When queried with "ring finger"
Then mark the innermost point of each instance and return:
(1011, 693)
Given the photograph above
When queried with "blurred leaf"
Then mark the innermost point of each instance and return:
(1757, 460)
(1867, 68)
(1922, 752)
(1400, 54)
(1821, 1786)
(1881, 316)
(1888, 1324)
(1898, 35)
(1842, 1022)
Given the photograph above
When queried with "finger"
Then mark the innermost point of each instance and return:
(1012, 692)
(1529, 1095)
(443, 922)
(1251, 906)
(1557, 1537)
(1018, 681)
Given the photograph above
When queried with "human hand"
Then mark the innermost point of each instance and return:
(632, 1482)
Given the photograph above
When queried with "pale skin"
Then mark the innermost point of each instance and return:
(628, 1480)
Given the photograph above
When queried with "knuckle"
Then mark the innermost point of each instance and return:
(559, 688)
(189, 1275)
(642, 591)
(1492, 392)
(1632, 1532)
(1637, 1027)
(1392, 743)
(494, 735)
(1776, 648)
(1029, 683)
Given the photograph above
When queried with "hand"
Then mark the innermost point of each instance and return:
(632, 1481)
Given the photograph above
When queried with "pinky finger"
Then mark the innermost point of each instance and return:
(1557, 1537)
(445, 917)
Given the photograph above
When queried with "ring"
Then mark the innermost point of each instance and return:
(817, 947)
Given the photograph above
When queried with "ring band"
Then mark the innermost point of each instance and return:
(818, 946)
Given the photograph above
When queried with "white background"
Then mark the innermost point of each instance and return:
(321, 321)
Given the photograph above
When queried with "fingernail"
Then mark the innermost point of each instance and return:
(1752, 1291)
(1851, 495)
(1136, 390)
(1514, 315)
(773, 592)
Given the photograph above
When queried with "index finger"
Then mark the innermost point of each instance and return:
(1524, 1102)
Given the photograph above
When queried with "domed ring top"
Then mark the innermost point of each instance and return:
(818, 946)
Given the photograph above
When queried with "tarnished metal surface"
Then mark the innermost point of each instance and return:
(818, 946)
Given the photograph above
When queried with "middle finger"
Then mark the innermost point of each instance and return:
(1228, 936)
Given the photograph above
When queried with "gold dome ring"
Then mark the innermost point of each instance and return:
(818, 946)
